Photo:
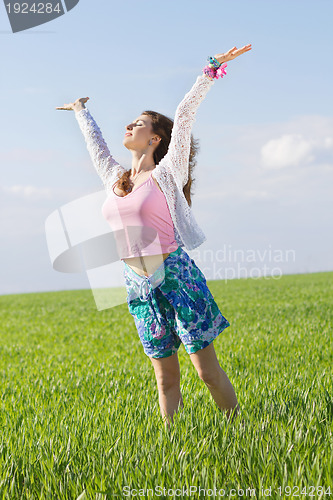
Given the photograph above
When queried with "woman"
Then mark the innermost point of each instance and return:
(148, 208)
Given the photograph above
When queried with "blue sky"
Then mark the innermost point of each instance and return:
(265, 168)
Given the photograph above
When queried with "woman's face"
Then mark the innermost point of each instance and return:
(139, 133)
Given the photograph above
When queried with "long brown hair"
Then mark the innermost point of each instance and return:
(162, 126)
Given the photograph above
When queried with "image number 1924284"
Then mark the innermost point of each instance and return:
(28, 14)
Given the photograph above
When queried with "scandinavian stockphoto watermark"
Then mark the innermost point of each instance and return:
(228, 263)
(28, 14)
(79, 240)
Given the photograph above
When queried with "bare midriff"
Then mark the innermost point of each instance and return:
(146, 265)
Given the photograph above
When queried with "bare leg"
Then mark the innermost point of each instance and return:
(220, 387)
(167, 374)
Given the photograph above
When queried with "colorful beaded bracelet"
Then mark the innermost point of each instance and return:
(214, 69)
(213, 62)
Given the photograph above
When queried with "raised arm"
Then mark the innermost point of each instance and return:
(106, 166)
(176, 159)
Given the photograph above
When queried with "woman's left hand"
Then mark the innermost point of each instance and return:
(232, 53)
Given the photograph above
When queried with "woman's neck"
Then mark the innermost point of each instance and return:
(141, 162)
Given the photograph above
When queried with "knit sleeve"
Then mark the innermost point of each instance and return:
(176, 159)
(106, 166)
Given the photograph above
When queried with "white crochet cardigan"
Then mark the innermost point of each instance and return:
(172, 171)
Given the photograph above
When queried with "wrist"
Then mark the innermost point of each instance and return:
(78, 107)
(214, 69)
(207, 76)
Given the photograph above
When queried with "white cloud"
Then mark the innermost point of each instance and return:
(29, 191)
(25, 155)
(274, 164)
(299, 148)
(328, 142)
(290, 150)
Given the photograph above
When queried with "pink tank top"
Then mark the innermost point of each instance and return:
(141, 221)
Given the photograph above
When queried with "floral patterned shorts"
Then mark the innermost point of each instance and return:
(173, 306)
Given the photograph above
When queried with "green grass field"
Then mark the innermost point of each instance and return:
(79, 404)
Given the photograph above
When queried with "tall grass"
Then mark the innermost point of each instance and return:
(79, 404)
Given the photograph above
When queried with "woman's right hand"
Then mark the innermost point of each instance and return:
(75, 106)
